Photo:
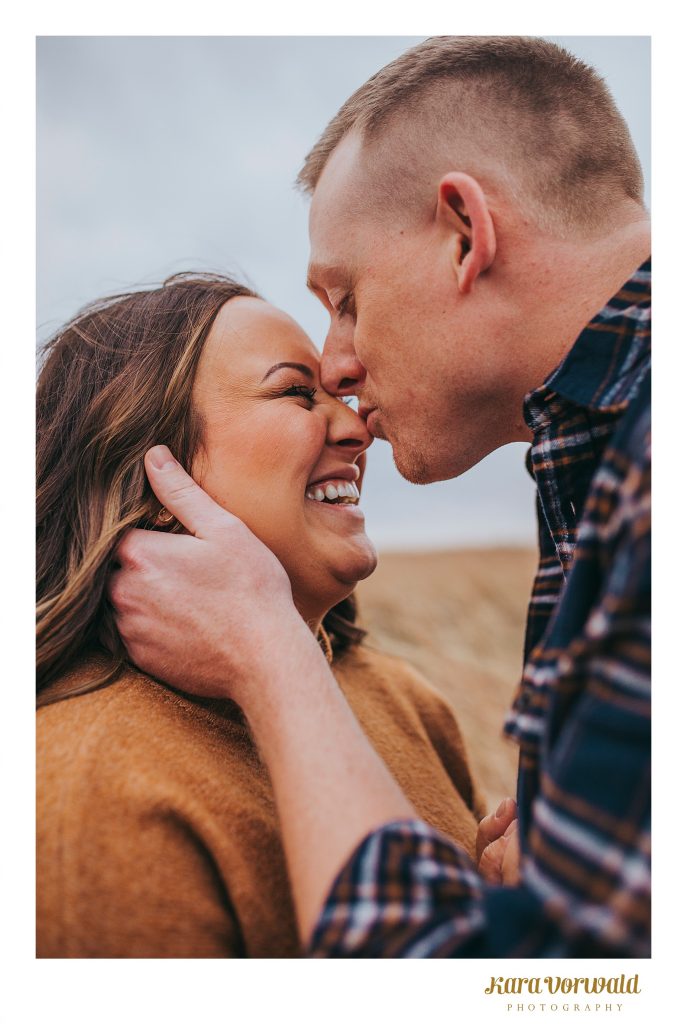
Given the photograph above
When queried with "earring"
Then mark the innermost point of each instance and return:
(164, 517)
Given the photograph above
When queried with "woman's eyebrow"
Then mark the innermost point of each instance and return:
(290, 366)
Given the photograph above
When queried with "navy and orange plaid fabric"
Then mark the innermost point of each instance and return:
(582, 712)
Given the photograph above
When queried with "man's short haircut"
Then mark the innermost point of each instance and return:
(521, 108)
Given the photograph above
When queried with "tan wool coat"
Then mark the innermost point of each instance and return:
(157, 829)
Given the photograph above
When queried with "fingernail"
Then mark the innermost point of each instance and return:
(502, 807)
(512, 827)
(161, 457)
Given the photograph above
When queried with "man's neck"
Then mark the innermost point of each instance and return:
(607, 263)
(577, 280)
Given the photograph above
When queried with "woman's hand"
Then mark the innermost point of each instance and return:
(209, 611)
(498, 850)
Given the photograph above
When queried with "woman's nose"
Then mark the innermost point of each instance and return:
(346, 429)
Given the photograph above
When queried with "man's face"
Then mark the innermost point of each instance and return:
(427, 363)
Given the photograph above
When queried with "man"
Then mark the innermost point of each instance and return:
(479, 238)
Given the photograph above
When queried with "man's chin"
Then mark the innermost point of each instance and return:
(410, 462)
(422, 467)
(415, 466)
(414, 469)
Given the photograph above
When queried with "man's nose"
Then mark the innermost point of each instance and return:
(341, 372)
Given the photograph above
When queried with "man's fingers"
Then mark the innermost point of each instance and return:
(510, 866)
(491, 861)
(494, 825)
(113, 579)
(141, 548)
(499, 863)
(180, 494)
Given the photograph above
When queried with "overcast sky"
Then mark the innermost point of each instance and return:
(163, 154)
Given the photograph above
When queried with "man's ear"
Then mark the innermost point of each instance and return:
(462, 206)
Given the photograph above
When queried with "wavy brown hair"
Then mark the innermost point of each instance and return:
(116, 380)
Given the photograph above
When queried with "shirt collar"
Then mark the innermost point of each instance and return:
(609, 358)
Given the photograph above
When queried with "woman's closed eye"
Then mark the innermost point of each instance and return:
(303, 391)
(299, 391)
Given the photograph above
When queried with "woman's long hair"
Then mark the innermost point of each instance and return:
(115, 381)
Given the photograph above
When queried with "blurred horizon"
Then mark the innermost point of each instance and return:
(162, 154)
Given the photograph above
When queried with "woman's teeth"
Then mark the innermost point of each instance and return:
(338, 492)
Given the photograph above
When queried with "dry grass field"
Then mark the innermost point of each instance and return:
(459, 617)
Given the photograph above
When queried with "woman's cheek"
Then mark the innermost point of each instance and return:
(264, 463)
(295, 443)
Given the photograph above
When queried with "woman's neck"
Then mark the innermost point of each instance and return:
(314, 624)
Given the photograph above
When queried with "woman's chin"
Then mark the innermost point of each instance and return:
(345, 558)
(338, 578)
(363, 571)
(359, 563)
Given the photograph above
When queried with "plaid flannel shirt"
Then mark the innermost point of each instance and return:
(582, 712)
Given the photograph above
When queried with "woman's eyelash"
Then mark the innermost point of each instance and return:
(300, 391)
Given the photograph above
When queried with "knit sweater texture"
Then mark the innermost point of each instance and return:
(157, 827)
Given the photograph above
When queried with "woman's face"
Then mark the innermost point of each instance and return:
(275, 443)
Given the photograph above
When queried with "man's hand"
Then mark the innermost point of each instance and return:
(212, 613)
(206, 611)
(498, 851)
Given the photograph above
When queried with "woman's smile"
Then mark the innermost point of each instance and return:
(336, 498)
(338, 489)
(336, 492)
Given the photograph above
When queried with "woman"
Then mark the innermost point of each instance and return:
(157, 831)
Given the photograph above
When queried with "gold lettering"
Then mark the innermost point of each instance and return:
(617, 985)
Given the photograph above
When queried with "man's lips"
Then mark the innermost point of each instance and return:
(365, 411)
(371, 416)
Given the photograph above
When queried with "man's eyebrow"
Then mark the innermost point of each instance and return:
(289, 366)
(317, 271)
(314, 273)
